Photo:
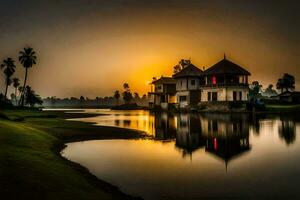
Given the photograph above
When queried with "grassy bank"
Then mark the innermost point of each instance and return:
(30, 164)
(283, 108)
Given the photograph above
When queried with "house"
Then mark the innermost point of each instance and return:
(225, 81)
(188, 85)
(163, 94)
(288, 97)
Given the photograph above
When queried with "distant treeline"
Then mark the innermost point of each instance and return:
(98, 102)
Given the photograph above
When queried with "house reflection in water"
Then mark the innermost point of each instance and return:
(188, 136)
(227, 136)
(224, 135)
(165, 126)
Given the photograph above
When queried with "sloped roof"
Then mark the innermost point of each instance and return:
(164, 80)
(226, 67)
(190, 70)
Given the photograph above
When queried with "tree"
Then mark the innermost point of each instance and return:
(31, 98)
(81, 99)
(16, 84)
(126, 86)
(127, 96)
(269, 91)
(287, 82)
(20, 89)
(144, 97)
(9, 69)
(255, 89)
(181, 65)
(136, 95)
(117, 95)
(27, 58)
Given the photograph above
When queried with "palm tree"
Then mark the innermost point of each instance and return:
(9, 69)
(27, 58)
(16, 84)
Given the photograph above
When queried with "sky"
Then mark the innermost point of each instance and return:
(91, 47)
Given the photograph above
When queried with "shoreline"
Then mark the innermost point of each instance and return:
(73, 132)
(58, 148)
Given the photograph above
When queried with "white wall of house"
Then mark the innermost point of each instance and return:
(190, 83)
(181, 103)
(181, 84)
(225, 94)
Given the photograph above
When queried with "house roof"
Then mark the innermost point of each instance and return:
(226, 67)
(164, 80)
(190, 70)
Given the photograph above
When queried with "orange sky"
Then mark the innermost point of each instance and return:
(92, 49)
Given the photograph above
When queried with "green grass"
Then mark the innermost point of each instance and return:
(282, 108)
(30, 164)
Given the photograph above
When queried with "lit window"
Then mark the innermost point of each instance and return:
(215, 144)
(214, 80)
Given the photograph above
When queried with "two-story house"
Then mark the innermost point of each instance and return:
(188, 85)
(225, 81)
(163, 94)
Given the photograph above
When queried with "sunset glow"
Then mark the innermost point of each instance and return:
(93, 48)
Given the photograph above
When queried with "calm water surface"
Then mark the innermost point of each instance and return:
(197, 156)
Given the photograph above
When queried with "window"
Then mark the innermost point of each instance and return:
(214, 80)
(208, 96)
(241, 97)
(193, 82)
(159, 87)
(234, 95)
(214, 96)
(163, 99)
(182, 98)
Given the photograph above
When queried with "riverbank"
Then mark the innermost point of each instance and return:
(30, 163)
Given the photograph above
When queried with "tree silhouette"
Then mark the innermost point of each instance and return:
(31, 98)
(181, 65)
(136, 95)
(287, 82)
(126, 86)
(20, 89)
(81, 99)
(27, 58)
(269, 91)
(16, 84)
(9, 69)
(117, 95)
(255, 90)
(127, 96)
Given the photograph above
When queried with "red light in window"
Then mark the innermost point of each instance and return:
(214, 80)
(215, 144)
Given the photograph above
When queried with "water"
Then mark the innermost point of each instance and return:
(197, 156)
